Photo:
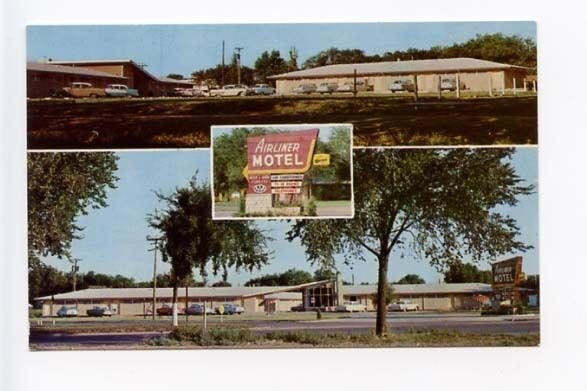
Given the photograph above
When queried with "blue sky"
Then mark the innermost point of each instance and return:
(114, 237)
(185, 48)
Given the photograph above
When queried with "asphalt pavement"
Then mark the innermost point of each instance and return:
(353, 323)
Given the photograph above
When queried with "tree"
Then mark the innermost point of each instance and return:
(460, 272)
(269, 64)
(191, 240)
(411, 279)
(61, 187)
(175, 76)
(213, 76)
(336, 56)
(292, 64)
(438, 204)
(288, 278)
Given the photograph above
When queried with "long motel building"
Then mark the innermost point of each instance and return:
(324, 295)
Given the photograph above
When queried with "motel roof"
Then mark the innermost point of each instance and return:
(462, 64)
(138, 66)
(44, 67)
(421, 289)
(266, 291)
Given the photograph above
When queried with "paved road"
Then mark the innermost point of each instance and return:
(354, 323)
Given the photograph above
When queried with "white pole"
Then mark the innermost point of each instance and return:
(458, 80)
(534, 85)
(525, 85)
(515, 90)
(490, 86)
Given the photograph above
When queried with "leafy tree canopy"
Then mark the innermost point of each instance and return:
(438, 204)
(411, 279)
(288, 278)
(213, 76)
(61, 187)
(497, 47)
(269, 64)
(460, 272)
(175, 76)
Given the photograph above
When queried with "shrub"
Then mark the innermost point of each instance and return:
(309, 208)
(220, 336)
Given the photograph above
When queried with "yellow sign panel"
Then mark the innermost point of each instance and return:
(321, 159)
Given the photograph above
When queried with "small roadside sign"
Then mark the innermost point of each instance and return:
(220, 309)
(287, 177)
(321, 159)
(286, 190)
(287, 184)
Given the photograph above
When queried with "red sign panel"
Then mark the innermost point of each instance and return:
(285, 152)
(259, 184)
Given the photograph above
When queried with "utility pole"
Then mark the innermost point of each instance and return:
(222, 71)
(74, 262)
(154, 249)
(238, 63)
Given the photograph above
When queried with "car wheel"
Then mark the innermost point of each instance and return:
(93, 96)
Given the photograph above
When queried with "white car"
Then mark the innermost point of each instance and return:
(230, 90)
(351, 306)
(450, 84)
(403, 305)
(305, 89)
(263, 89)
(401, 86)
(349, 86)
(120, 90)
(327, 88)
(67, 312)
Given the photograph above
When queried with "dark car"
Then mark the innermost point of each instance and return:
(165, 310)
(99, 311)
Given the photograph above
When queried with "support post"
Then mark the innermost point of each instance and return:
(534, 86)
(186, 305)
(458, 80)
(355, 83)
(415, 82)
(439, 88)
(154, 249)
(515, 87)
(490, 86)
(525, 84)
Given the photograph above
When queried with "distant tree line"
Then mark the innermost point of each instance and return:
(508, 49)
(497, 47)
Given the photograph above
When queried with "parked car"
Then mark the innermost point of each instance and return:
(230, 309)
(99, 311)
(166, 309)
(349, 86)
(298, 308)
(67, 312)
(403, 305)
(262, 89)
(201, 91)
(305, 89)
(450, 84)
(230, 90)
(82, 90)
(120, 90)
(401, 86)
(327, 88)
(351, 306)
(199, 309)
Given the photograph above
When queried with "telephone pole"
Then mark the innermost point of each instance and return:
(74, 262)
(222, 71)
(238, 63)
(154, 249)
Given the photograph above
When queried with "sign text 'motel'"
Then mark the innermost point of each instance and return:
(281, 153)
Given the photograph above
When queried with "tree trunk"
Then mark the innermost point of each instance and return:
(381, 323)
(174, 316)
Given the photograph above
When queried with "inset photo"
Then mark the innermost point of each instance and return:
(292, 171)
